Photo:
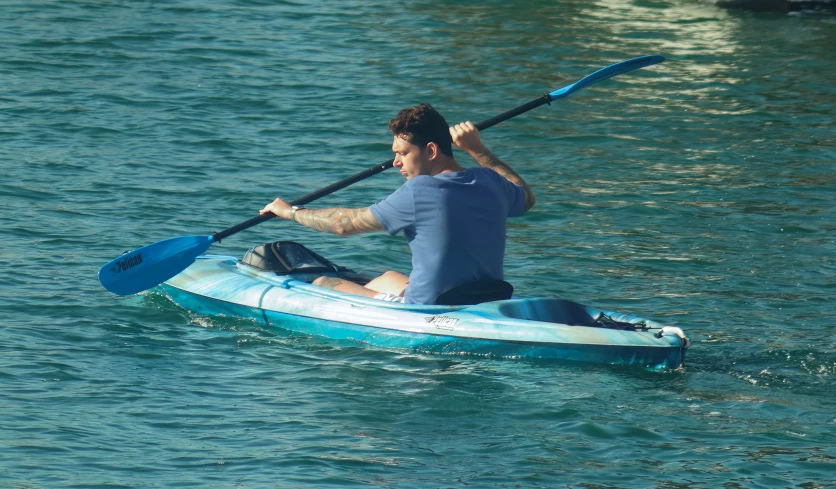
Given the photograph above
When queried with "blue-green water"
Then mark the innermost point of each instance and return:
(699, 192)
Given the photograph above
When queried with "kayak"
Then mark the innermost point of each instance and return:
(280, 294)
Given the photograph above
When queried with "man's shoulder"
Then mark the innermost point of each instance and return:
(486, 172)
(478, 175)
(419, 181)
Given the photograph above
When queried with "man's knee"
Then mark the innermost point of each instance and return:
(391, 282)
(392, 276)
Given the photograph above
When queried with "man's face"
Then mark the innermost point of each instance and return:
(410, 159)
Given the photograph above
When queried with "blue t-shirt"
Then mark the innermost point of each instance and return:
(455, 225)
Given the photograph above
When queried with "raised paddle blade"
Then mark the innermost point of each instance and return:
(608, 72)
(600, 75)
(152, 265)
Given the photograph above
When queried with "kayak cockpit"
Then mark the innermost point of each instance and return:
(291, 259)
(295, 267)
(543, 309)
(561, 311)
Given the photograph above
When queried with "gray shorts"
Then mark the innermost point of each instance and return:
(389, 297)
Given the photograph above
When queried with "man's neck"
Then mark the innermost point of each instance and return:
(446, 164)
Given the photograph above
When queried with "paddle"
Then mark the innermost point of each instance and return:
(152, 265)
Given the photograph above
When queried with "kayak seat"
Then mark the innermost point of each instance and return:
(286, 257)
(291, 258)
(476, 293)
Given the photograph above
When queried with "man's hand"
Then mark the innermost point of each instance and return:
(466, 138)
(278, 207)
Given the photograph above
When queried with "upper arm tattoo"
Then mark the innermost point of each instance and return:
(340, 220)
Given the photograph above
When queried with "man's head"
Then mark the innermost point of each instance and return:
(422, 136)
(422, 124)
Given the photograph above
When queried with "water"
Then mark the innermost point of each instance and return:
(698, 192)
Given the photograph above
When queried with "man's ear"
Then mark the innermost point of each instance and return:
(432, 150)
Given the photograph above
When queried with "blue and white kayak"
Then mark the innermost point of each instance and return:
(534, 328)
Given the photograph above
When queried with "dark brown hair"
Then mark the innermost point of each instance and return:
(422, 124)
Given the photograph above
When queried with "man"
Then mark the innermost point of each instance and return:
(453, 218)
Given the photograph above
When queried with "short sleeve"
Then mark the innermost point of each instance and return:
(396, 212)
(514, 194)
(516, 198)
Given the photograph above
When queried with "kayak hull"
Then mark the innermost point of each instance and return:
(218, 285)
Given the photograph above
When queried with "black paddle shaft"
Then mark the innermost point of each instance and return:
(374, 170)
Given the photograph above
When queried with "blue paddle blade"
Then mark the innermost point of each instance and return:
(152, 265)
(608, 72)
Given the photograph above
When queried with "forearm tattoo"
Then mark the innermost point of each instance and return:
(339, 220)
(487, 159)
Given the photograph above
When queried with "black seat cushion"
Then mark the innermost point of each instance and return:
(285, 257)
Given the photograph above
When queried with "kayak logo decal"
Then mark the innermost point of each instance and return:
(126, 264)
(442, 322)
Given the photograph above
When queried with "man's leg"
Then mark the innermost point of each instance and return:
(390, 282)
(343, 285)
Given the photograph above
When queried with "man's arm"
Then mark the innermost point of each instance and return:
(334, 220)
(466, 138)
